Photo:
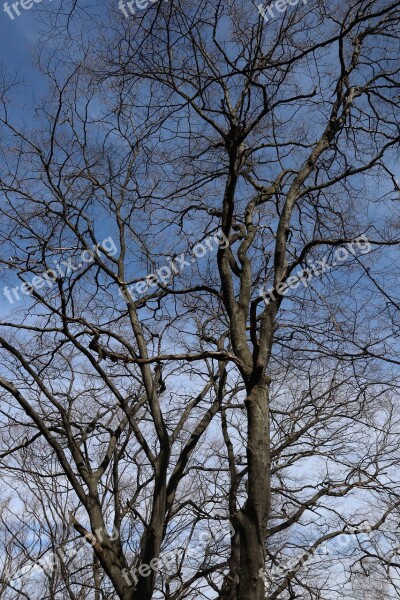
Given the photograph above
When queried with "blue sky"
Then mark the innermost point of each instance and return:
(16, 38)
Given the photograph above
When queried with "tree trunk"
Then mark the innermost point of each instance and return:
(152, 538)
(246, 579)
(254, 517)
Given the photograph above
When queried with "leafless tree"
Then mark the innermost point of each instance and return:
(182, 164)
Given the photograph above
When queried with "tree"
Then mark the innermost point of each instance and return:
(213, 340)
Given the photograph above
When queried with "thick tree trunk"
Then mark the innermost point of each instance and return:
(152, 538)
(254, 516)
(246, 578)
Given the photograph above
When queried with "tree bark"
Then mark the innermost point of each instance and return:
(152, 539)
(246, 580)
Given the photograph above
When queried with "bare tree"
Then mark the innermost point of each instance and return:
(214, 339)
